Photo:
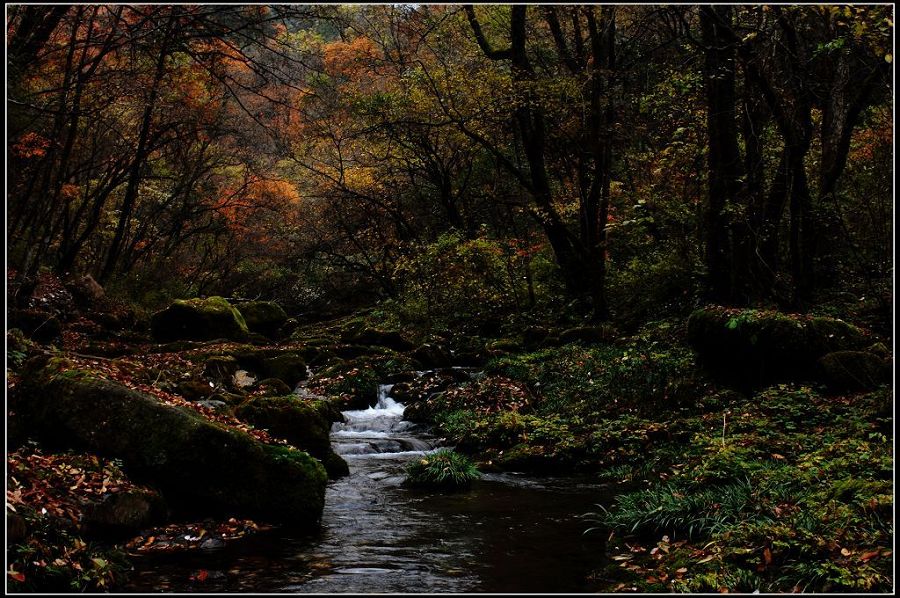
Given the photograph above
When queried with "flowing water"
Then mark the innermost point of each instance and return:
(509, 533)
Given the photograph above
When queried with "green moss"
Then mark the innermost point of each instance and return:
(198, 319)
(198, 465)
(265, 317)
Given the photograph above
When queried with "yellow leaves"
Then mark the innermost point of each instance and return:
(889, 58)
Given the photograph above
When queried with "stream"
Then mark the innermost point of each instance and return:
(509, 533)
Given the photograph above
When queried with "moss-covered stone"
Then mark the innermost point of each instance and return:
(754, 348)
(390, 339)
(124, 514)
(264, 317)
(271, 387)
(431, 355)
(301, 423)
(503, 346)
(195, 389)
(289, 368)
(854, 370)
(220, 367)
(198, 319)
(200, 467)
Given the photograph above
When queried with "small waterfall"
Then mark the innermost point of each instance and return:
(378, 432)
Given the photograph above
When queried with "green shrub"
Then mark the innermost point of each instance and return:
(443, 470)
(456, 280)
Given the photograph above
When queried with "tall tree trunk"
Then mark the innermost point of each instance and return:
(134, 178)
(725, 273)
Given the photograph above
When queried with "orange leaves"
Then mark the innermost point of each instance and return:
(350, 59)
(31, 145)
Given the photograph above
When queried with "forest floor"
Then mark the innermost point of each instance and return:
(784, 487)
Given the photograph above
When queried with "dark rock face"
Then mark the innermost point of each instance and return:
(199, 466)
(220, 367)
(86, 291)
(289, 368)
(432, 356)
(304, 424)
(40, 326)
(754, 348)
(854, 370)
(198, 319)
(379, 338)
(124, 513)
(264, 317)
(272, 387)
(16, 528)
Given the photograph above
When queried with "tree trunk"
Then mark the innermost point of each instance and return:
(726, 272)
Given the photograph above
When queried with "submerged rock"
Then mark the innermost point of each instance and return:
(198, 319)
(199, 466)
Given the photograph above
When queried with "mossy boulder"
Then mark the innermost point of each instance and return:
(432, 355)
(194, 389)
(390, 339)
(272, 387)
(198, 319)
(264, 317)
(220, 367)
(854, 370)
(302, 423)
(533, 336)
(201, 467)
(124, 514)
(503, 346)
(754, 348)
(289, 368)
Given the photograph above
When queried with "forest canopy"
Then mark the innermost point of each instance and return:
(737, 153)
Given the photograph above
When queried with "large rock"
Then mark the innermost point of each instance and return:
(755, 348)
(305, 424)
(198, 319)
(37, 325)
(289, 368)
(124, 513)
(854, 370)
(432, 356)
(201, 467)
(390, 339)
(264, 317)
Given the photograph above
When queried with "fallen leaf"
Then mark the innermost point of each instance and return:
(707, 559)
(868, 555)
(767, 556)
(845, 552)
(681, 570)
(15, 575)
